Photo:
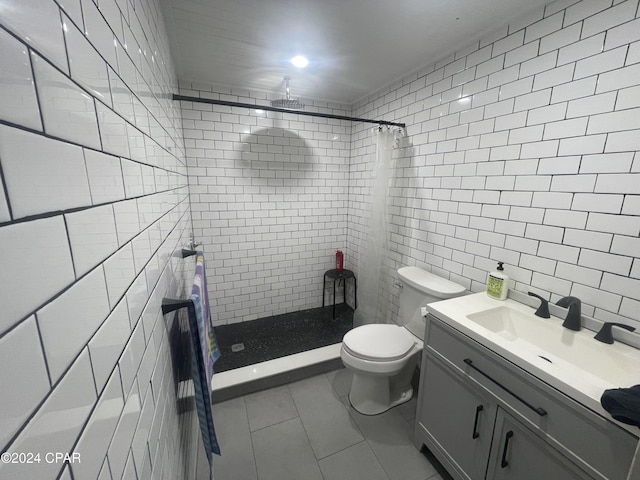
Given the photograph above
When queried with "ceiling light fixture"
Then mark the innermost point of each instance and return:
(300, 61)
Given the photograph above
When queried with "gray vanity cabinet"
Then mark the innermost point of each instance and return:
(518, 454)
(485, 418)
(471, 433)
(458, 418)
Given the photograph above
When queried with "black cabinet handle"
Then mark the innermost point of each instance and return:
(475, 435)
(539, 410)
(503, 462)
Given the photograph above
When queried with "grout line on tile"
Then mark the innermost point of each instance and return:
(5, 192)
(63, 16)
(253, 447)
(273, 424)
(44, 355)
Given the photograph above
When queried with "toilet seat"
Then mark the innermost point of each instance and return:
(379, 342)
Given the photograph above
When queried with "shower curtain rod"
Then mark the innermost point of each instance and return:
(284, 110)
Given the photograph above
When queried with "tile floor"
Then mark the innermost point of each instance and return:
(307, 430)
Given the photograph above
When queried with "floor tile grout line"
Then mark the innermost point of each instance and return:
(364, 438)
(304, 428)
(336, 384)
(348, 413)
(251, 432)
(344, 400)
(349, 409)
(253, 448)
(273, 424)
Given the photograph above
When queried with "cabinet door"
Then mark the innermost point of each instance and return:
(458, 418)
(518, 454)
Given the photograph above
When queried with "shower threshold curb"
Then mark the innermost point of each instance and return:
(280, 371)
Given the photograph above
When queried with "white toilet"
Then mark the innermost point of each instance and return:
(382, 357)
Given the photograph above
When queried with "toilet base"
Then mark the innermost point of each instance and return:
(373, 395)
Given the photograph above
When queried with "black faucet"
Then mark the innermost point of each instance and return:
(605, 335)
(543, 309)
(574, 316)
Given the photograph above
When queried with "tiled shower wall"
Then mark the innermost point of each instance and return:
(269, 201)
(523, 148)
(93, 203)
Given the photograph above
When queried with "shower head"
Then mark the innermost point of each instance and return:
(288, 103)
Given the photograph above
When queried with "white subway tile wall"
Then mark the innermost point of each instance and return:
(30, 382)
(269, 195)
(68, 112)
(522, 147)
(556, 113)
(18, 96)
(35, 182)
(93, 205)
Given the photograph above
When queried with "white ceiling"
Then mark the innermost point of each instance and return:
(355, 47)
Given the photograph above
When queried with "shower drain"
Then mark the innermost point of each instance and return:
(237, 347)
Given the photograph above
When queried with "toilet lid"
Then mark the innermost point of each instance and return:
(379, 342)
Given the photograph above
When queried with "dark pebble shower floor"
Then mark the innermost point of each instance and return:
(281, 335)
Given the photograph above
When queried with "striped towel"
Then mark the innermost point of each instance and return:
(204, 354)
(205, 328)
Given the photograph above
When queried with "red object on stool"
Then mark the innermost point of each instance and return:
(339, 261)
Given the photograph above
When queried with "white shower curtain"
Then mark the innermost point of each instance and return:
(375, 242)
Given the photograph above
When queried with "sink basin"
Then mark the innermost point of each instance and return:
(509, 323)
(572, 362)
(573, 351)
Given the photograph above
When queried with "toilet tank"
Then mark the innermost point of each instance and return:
(419, 288)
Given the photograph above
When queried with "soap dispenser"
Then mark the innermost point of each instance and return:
(498, 283)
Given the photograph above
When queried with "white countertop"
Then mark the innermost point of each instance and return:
(574, 381)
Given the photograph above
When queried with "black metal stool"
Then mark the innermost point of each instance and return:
(337, 277)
